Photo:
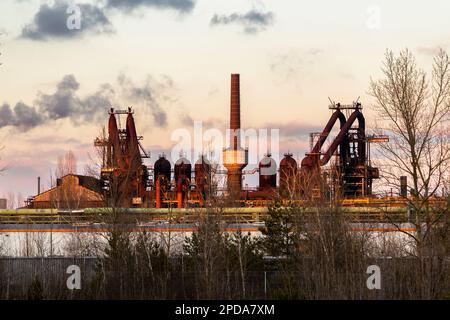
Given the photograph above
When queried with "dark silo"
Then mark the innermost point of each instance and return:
(182, 170)
(162, 169)
(288, 172)
(267, 173)
(202, 173)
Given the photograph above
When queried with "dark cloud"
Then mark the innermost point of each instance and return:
(63, 103)
(253, 21)
(149, 94)
(21, 116)
(51, 22)
(66, 103)
(6, 115)
(130, 5)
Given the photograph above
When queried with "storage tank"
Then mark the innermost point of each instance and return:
(162, 169)
(202, 172)
(267, 173)
(182, 170)
(288, 172)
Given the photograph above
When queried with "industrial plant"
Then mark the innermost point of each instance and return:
(340, 170)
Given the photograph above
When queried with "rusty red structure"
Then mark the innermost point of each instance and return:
(161, 174)
(350, 175)
(124, 175)
(235, 158)
(128, 182)
(267, 168)
(203, 178)
(288, 175)
(182, 175)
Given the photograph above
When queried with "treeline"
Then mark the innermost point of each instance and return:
(301, 255)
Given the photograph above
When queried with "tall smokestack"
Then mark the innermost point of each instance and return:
(235, 111)
(39, 185)
(235, 158)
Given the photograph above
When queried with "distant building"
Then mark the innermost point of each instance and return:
(71, 192)
(3, 203)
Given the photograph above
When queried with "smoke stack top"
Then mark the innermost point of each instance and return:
(235, 110)
(235, 158)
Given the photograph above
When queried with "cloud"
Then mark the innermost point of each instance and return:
(346, 75)
(293, 129)
(51, 22)
(291, 64)
(212, 123)
(50, 139)
(253, 21)
(149, 94)
(295, 136)
(66, 103)
(21, 116)
(182, 6)
(63, 103)
(429, 51)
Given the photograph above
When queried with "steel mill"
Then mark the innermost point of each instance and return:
(340, 171)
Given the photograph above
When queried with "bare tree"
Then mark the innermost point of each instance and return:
(97, 159)
(20, 200)
(66, 164)
(11, 198)
(414, 112)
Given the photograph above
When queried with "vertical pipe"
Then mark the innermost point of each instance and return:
(179, 195)
(158, 193)
(235, 111)
(265, 284)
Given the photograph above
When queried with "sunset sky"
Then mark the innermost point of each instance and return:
(172, 59)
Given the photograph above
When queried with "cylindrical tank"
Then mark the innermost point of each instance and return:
(202, 173)
(162, 169)
(182, 170)
(288, 172)
(403, 186)
(267, 173)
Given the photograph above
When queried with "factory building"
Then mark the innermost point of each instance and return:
(342, 170)
(72, 191)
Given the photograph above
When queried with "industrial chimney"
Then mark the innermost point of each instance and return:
(235, 158)
(235, 111)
